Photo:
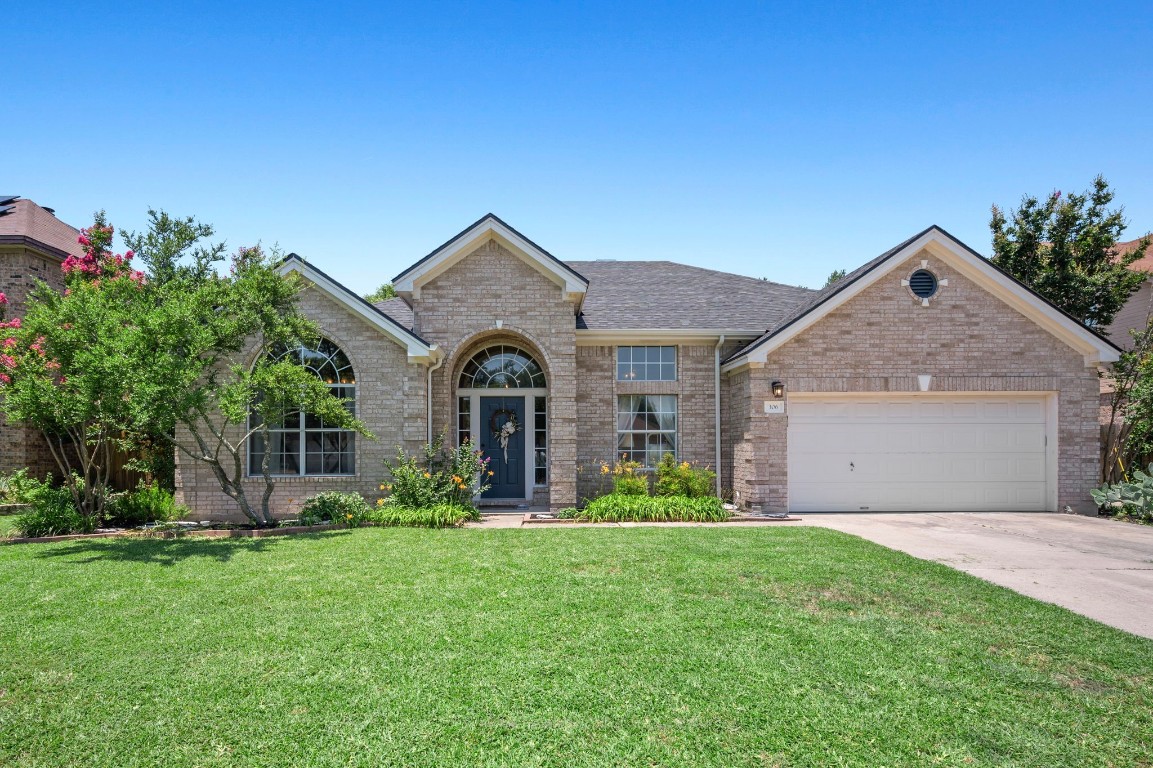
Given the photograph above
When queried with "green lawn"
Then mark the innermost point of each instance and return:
(578, 647)
(8, 525)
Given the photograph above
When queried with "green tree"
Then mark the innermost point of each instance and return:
(65, 370)
(208, 359)
(170, 247)
(385, 291)
(1064, 248)
(836, 276)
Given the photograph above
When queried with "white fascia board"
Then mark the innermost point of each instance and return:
(598, 337)
(1094, 349)
(418, 351)
(411, 281)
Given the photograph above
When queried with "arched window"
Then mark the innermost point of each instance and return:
(501, 367)
(302, 444)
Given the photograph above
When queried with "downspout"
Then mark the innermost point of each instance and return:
(428, 397)
(717, 408)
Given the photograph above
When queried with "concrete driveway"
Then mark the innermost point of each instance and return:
(1102, 569)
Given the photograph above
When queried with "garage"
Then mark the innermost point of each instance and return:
(922, 452)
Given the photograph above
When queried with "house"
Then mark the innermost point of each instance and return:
(33, 244)
(927, 379)
(1135, 314)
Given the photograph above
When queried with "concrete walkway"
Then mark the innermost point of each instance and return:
(1099, 568)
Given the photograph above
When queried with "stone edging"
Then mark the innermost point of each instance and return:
(530, 520)
(238, 533)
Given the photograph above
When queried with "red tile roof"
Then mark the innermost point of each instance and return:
(28, 219)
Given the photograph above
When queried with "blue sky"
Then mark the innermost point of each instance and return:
(779, 140)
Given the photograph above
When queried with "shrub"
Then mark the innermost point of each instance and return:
(617, 508)
(17, 487)
(683, 479)
(53, 514)
(440, 476)
(433, 516)
(339, 507)
(628, 477)
(1133, 498)
(149, 503)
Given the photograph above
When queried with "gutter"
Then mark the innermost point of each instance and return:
(428, 398)
(717, 408)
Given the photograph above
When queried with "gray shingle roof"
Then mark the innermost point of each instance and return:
(666, 295)
(398, 310)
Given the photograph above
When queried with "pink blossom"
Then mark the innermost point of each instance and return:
(7, 361)
(9, 343)
(5, 378)
(3, 299)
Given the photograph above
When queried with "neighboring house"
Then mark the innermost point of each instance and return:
(1135, 314)
(33, 243)
(925, 380)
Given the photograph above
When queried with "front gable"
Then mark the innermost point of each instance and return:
(417, 349)
(490, 229)
(976, 283)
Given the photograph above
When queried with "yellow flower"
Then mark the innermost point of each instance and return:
(462, 486)
(384, 487)
(388, 487)
(684, 465)
(455, 479)
(604, 469)
(426, 474)
(491, 473)
(349, 516)
(380, 502)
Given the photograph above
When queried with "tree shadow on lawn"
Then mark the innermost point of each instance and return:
(172, 551)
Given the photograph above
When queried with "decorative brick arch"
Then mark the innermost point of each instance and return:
(470, 345)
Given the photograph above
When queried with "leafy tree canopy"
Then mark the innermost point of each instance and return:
(385, 291)
(836, 276)
(1064, 247)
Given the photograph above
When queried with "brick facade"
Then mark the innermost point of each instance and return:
(598, 391)
(881, 340)
(20, 269)
(390, 400)
(460, 309)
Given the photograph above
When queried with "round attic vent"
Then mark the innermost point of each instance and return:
(923, 283)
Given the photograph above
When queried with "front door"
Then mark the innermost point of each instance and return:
(502, 429)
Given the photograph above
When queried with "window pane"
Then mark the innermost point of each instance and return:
(647, 363)
(326, 450)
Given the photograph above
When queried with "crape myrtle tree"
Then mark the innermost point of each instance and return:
(62, 368)
(1064, 248)
(210, 363)
(182, 355)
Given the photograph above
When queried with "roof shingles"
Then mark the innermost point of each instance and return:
(664, 295)
(27, 219)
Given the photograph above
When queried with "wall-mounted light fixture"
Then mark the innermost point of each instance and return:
(778, 390)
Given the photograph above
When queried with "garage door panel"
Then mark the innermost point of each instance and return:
(904, 453)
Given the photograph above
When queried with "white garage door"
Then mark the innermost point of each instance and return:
(946, 452)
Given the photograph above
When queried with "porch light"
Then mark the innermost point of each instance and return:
(778, 390)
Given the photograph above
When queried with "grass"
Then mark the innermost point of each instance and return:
(577, 647)
(8, 525)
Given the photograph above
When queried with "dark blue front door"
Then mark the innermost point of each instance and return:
(507, 460)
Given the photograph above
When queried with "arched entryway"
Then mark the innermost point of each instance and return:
(502, 403)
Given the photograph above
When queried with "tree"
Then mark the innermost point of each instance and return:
(385, 291)
(64, 364)
(836, 276)
(207, 358)
(169, 248)
(1064, 248)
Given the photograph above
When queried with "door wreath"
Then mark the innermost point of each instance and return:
(506, 430)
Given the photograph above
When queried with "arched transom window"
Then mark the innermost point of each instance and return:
(502, 367)
(302, 444)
